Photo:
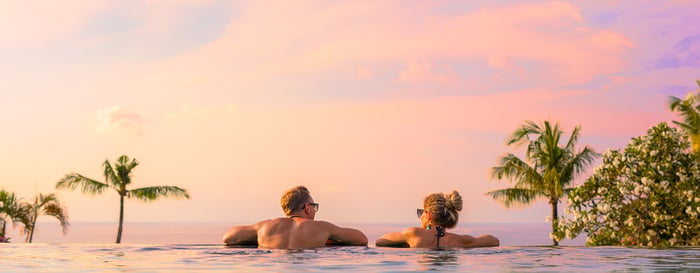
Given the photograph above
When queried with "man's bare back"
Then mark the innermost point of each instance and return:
(298, 230)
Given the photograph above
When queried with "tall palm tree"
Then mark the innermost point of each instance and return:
(118, 178)
(45, 205)
(689, 109)
(546, 172)
(11, 210)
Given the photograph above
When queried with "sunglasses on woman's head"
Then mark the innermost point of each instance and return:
(419, 212)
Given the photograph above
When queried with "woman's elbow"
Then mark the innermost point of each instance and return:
(493, 241)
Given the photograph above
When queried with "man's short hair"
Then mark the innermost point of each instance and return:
(294, 199)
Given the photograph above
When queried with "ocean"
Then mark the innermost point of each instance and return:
(196, 247)
(510, 234)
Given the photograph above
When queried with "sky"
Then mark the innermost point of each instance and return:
(371, 104)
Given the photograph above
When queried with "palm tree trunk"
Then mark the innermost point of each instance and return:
(121, 218)
(31, 232)
(555, 221)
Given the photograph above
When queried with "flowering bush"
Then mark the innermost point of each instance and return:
(646, 195)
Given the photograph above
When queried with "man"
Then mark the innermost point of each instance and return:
(296, 231)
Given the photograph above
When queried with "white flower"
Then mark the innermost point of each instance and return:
(651, 232)
(672, 241)
(591, 217)
(548, 218)
(653, 153)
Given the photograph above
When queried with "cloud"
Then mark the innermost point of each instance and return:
(490, 48)
(685, 53)
(116, 120)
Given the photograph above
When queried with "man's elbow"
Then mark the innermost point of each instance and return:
(363, 241)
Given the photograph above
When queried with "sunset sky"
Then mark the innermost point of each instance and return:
(371, 104)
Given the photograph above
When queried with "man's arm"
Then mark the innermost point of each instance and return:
(345, 236)
(483, 240)
(242, 235)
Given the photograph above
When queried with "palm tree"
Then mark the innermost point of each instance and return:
(12, 210)
(118, 178)
(45, 205)
(547, 171)
(689, 109)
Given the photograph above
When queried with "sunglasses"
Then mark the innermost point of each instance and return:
(315, 205)
(419, 212)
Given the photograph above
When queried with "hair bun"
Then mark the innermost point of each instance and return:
(454, 201)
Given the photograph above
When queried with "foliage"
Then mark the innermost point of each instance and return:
(11, 210)
(548, 168)
(689, 109)
(645, 195)
(118, 177)
(44, 204)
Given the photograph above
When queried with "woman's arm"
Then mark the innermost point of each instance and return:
(394, 239)
(483, 240)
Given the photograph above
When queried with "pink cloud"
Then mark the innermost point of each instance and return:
(262, 44)
(115, 119)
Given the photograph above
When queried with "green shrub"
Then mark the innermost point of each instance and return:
(646, 195)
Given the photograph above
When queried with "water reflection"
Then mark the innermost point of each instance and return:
(439, 258)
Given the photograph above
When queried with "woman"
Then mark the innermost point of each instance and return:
(440, 211)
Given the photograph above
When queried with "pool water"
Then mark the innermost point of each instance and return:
(67, 257)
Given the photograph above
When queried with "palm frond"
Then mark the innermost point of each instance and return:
(573, 138)
(74, 180)
(513, 168)
(54, 209)
(514, 196)
(111, 175)
(523, 132)
(124, 168)
(153, 193)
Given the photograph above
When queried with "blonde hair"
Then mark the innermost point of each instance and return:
(294, 199)
(444, 208)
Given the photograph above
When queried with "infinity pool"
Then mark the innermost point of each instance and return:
(197, 258)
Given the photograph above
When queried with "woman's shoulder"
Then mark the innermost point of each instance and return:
(413, 231)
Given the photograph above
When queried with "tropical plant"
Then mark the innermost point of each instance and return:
(44, 205)
(118, 178)
(644, 195)
(11, 210)
(689, 109)
(547, 170)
